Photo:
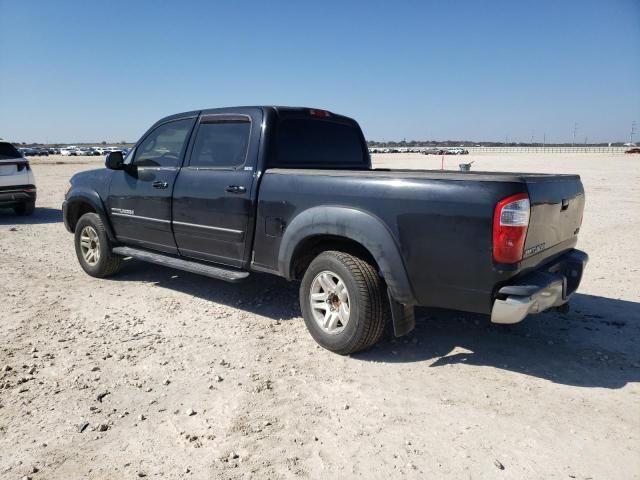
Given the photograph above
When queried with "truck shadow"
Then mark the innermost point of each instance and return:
(40, 215)
(594, 345)
(265, 295)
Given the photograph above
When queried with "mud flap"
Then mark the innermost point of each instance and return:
(403, 316)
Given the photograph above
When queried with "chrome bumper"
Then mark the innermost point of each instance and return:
(549, 287)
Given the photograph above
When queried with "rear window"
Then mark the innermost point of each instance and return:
(221, 144)
(318, 143)
(8, 151)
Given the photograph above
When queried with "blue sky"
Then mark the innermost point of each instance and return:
(76, 71)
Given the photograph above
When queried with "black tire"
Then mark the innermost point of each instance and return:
(367, 306)
(25, 209)
(107, 263)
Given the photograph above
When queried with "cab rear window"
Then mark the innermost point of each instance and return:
(8, 151)
(318, 143)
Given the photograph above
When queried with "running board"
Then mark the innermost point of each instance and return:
(228, 275)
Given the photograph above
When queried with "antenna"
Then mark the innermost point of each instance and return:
(634, 130)
(575, 129)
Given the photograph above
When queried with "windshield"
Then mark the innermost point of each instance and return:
(318, 143)
(8, 151)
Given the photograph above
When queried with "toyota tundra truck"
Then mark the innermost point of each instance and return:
(291, 192)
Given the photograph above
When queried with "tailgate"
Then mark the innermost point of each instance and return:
(8, 168)
(12, 166)
(557, 203)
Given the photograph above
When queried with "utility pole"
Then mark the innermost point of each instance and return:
(575, 129)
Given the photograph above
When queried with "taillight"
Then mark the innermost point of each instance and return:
(510, 224)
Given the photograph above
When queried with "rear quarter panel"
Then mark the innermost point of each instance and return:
(442, 227)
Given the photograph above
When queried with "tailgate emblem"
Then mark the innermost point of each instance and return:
(534, 250)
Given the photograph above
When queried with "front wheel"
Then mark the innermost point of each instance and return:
(93, 248)
(342, 301)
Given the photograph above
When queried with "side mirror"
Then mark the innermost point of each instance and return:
(114, 161)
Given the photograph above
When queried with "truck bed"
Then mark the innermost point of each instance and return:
(441, 220)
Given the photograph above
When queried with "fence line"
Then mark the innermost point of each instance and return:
(576, 149)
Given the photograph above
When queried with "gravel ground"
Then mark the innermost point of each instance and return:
(165, 374)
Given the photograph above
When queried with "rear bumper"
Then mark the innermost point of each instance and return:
(550, 286)
(12, 196)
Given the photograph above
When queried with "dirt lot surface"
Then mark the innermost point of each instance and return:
(165, 374)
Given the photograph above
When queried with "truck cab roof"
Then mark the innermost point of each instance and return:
(279, 109)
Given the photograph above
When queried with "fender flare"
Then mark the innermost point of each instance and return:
(355, 225)
(84, 195)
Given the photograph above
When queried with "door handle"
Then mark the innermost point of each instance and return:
(235, 189)
(159, 184)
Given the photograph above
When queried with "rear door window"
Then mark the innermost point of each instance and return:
(308, 142)
(221, 142)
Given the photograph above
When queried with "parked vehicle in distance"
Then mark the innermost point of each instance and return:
(291, 192)
(17, 183)
(431, 151)
(633, 150)
(457, 151)
(84, 152)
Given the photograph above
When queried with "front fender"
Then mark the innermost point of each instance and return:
(355, 225)
(84, 195)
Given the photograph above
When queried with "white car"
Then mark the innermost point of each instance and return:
(17, 183)
(84, 152)
(70, 150)
(457, 151)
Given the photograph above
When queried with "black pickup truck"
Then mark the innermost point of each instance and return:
(291, 192)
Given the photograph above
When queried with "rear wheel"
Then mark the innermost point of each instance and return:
(342, 301)
(26, 208)
(93, 248)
